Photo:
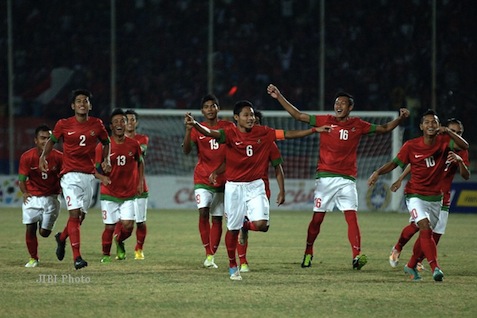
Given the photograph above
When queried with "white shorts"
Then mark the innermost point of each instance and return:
(44, 209)
(141, 214)
(77, 190)
(213, 200)
(420, 209)
(440, 226)
(245, 199)
(335, 191)
(112, 211)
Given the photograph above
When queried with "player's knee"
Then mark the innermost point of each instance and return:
(44, 233)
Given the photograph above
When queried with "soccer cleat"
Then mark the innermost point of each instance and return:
(359, 261)
(210, 262)
(80, 263)
(120, 250)
(394, 257)
(138, 254)
(106, 259)
(420, 267)
(306, 260)
(438, 275)
(413, 273)
(234, 273)
(33, 262)
(60, 247)
(244, 268)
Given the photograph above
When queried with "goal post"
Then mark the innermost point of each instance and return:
(165, 128)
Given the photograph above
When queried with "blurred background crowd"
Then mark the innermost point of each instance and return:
(379, 51)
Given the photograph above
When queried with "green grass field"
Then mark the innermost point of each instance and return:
(172, 282)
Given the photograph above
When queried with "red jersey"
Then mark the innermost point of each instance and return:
(275, 159)
(210, 154)
(124, 169)
(449, 173)
(143, 143)
(248, 153)
(40, 183)
(427, 164)
(79, 142)
(338, 148)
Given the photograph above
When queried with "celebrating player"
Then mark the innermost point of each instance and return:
(120, 187)
(209, 195)
(337, 167)
(141, 215)
(80, 134)
(427, 156)
(41, 206)
(457, 160)
(246, 157)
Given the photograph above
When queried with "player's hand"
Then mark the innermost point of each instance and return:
(453, 157)
(280, 198)
(26, 197)
(43, 164)
(213, 177)
(140, 188)
(106, 166)
(396, 185)
(325, 128)
(105, 180)
(273, 91)
(373, 178)
(404, 113)
(189, 120)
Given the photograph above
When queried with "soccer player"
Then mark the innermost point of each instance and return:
(457, 160)
(41, 206)
(428, 156)
(209, 195)
(120, 187)
(246, 156)
(141, 215)
(337, 167)
(80, 134)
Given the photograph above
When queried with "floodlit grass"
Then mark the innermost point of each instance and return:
(172, 282)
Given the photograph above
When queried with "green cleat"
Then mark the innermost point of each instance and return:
(106, 259)
(33, 262)
(306, 260)
(413, 273)
(244, 268)
(359, 261)
(438, 275)
(120, 250)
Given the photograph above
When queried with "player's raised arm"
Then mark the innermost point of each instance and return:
(273, 91)
(389, 126)
(190, 121)
(293, 134)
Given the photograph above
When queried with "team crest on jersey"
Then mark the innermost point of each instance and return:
(92, 133)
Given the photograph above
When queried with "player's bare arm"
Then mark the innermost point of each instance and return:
(106, 164)
(397, 184)
(386, 168)
(273, 91)
(186, 143)
(190, 121)
(460, 142)
(43, 164)
(292, 134)
(463, 169)
(403, 114)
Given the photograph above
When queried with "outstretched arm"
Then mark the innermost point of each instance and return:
(186, 143)
(273, 91)
(460, 142)
(397, 184)
(189, 121)
(293, 134)
(463, 169)
(43, 164)
(389, 126)
(280, 175)
(386, 168)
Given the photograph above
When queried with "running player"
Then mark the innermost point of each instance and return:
(80, 134)
(336, 171)
(41, 206)
(428, 157)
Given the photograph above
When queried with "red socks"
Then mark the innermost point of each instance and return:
(313, 231)
(141, 231)
(107, 240)
(231, 241)
(73, 229)
(406, 234)
(215, 235)
(32, 244)
(204, 230)
(354, 235)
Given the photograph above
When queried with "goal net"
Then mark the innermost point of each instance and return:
(165, 129)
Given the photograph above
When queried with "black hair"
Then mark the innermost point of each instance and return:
(208, 97)
(258, 116)
(429, 112)
(240, 105)
(344, 94)
(117, 111)
(42, 128)
(81, 91)
(455, 121)
(132, 112)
